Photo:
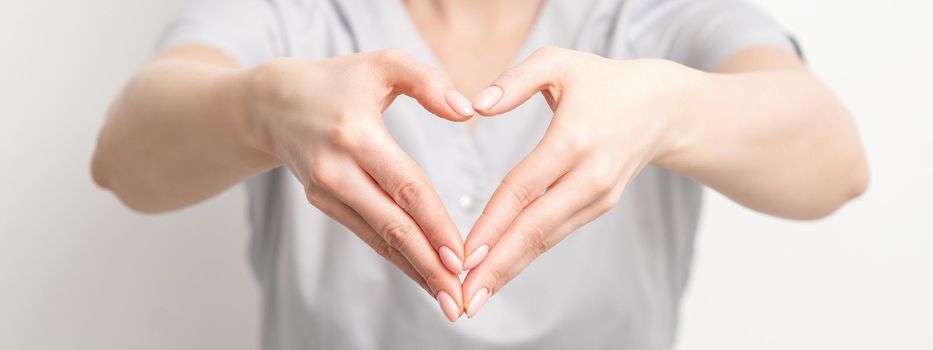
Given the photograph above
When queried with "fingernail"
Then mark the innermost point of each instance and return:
(451, 260)
(459, 103)
(488, 98)
(477, 302)
(476, 257)
(448, 306)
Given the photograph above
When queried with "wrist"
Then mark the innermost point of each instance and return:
(251, 93)
(683, 120)
(233, 102)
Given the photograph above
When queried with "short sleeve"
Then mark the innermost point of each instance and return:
(701, 33)
(247, 30)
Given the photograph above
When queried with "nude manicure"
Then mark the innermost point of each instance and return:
(459, 103)
(477, 302)
(476, 257)
(488, 98)
(448, 306)
(450, 260)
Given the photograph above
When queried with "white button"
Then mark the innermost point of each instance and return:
(468, 202)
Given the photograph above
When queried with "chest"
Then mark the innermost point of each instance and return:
(474, 55)
(471, 63)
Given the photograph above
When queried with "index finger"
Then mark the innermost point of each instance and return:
(428, 85)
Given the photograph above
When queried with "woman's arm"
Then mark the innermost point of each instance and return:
(191, 124)
(765, 132)
(176, 135)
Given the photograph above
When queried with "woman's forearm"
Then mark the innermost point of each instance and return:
(175, 136)
(774, 140)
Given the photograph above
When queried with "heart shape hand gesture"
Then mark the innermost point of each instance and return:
(604, 131)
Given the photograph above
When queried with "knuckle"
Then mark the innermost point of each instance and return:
(498, 279)
(343, 138)
(601, 180)
(383, 248)
(323, 175)
(601, 183)
(519, 191)
(399, 236)
(607, 203)
(349, 134)
(408, 195)
(433, 278)
(576, 144)
(575, 140)
(314, 195)
(540, 248)
(534, 240)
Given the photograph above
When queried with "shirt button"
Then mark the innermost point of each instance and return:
(467, 203)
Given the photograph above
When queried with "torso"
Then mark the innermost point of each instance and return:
(613, 283)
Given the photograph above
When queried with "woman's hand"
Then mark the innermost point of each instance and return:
(766, 133)
(323, 120)
(611, 118)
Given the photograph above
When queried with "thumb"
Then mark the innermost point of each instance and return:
(541, 71)
(428, 85)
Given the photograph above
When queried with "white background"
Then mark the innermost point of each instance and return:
(79, 271)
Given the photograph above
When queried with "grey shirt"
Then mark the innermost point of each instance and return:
(615, 283)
